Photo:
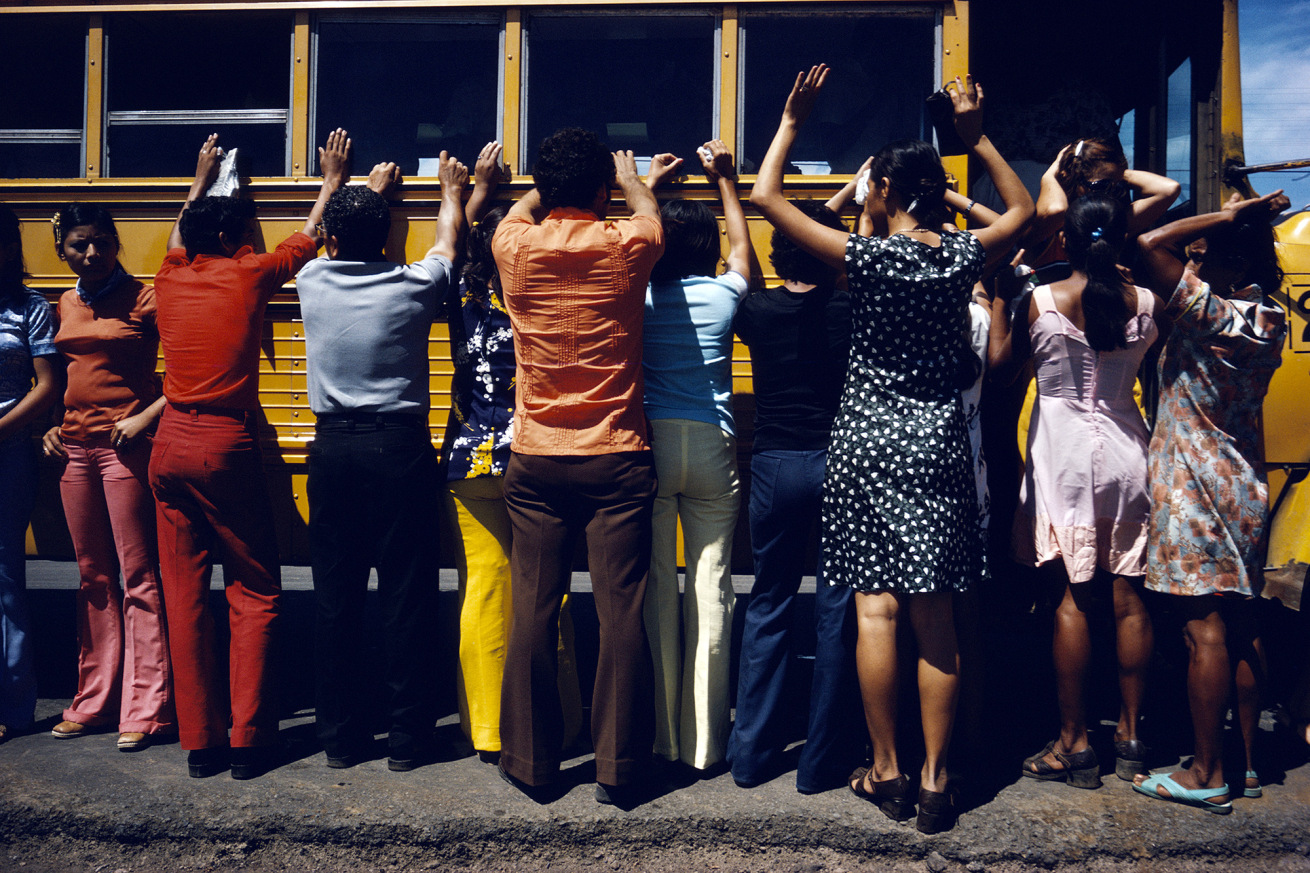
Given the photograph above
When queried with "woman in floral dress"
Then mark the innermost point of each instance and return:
(1209, 497)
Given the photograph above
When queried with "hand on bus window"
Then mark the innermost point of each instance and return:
(717, 161)
(207, 165)
(967, 98)
(662, 166)
(334, 158)
(800, 103)
(453, 175)
(385, 178)
(488, 170)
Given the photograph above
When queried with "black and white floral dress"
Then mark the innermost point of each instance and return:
(900, 508)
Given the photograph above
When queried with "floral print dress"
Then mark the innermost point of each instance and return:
(482, 388)
(900, 503)
(1209, 497)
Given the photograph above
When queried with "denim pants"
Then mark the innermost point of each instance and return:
(373, 502)
(18, 679)
(786, 492)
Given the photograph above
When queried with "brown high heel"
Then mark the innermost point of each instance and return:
(936, 811)
(892, 796)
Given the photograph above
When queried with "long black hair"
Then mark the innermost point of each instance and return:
(13, 271)
(1252, 244)
(915, 171)
(1094, 232)
(479, 273)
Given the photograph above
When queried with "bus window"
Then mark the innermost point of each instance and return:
(408, 88)
(648, 83)
(1178, 153)
(865, 104)
(43, 66)
(173, 79)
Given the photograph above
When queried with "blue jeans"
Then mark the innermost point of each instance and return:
(786, 491)
(18, 680)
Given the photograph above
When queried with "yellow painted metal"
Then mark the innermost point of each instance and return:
(729, 46)
(1286, 411)
(301, 148)
(354, 5)
(513, 84)
(955, 62)
(95, 96)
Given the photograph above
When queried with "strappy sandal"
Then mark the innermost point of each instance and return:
(1080, 769)
(1130, 759)
(1198, 797)
(892, 796)
(936, 811)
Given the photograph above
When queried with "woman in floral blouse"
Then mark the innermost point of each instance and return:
(1209, 497)
(477, 450)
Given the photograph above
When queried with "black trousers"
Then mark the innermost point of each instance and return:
(373, 502)
(552, 501)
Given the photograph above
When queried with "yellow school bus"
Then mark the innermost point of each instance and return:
(109, 102)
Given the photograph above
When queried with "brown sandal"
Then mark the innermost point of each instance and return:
(892, 796)
(1081, 769)
(936, 811)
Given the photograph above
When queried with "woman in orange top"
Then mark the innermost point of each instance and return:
(107, 335)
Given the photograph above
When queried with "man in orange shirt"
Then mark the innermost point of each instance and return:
(205, 468)
(575, 287)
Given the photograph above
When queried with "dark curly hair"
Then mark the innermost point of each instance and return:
(1248, 244)
(691, 241)
(12, 270)
(572, 164)
(360, 219)
(207, 217)
(479, 274)
(790, 261)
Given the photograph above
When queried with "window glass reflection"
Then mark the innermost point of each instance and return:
(408, 89)
(43, 68)
(863, 106)
(645, 83)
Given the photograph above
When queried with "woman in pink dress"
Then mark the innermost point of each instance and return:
(1084, 502)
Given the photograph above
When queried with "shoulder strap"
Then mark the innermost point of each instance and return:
(1044, 299)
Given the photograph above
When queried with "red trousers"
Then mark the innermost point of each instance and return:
(208, 479)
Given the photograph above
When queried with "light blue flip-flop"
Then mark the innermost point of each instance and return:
(1249, 790)
(1187, 796)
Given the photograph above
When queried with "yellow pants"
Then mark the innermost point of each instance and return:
(482, 542)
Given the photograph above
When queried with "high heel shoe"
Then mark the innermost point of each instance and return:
(936, 811)
(1081, 769)
(892, 796)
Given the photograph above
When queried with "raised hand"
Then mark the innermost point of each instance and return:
(334, 158)
(452, 174)
(385, 178)
(662, 166)
(487, 170)
(211, 158)
(967, 98)
(804, 93)
(1256, 208)
(717, 161)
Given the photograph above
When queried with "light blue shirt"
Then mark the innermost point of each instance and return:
(687, 348)
(27, 331)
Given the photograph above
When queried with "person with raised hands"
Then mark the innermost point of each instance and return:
(373, 476)
(900, 511)
(687, 362)
(1209, 496)
(206, 469)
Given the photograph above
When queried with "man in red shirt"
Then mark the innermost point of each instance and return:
(575, 287)
(206, 470)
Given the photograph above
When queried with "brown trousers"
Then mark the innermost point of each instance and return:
(553, 500)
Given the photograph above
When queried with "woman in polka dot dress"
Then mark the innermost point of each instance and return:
(900, 508)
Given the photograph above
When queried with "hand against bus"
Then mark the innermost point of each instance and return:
(385, 178)
(334, 158)
(662, 167)
(487, 170)
(453, 176)
(1256, 208)
(967, 98)
(717, 161)
(207, 165)
(804, 93)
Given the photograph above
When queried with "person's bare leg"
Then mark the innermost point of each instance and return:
(939, 680)
(1134, 642)
(875, 661)
(1071, 651)
(1246, 651)
(1208, 677)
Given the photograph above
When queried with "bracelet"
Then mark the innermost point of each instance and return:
(969, 208)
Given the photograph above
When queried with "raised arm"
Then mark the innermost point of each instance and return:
(385, 178)
(1155, 194)
(528, 208)
(967, 97)
(211, 158)
(721, 169)
(454, 177)
(825, 243)
(974, 213)
(1164, 250)
(1007, 349)
(1052, 204)
(640, 199)
(334, 161)
(850, 190)
(663, 167)
(487, 176)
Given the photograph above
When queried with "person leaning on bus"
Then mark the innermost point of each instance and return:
(373, 477)
(206, 470)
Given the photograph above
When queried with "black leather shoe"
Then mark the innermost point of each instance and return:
(201, 763)
(249, 762)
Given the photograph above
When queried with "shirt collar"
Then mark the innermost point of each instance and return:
(572, 213)
(115, 280)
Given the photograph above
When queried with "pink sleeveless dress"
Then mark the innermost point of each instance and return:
(1085, 497)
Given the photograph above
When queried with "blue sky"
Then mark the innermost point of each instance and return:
(1276, 91)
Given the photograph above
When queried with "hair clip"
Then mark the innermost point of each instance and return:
(913, 204)
(54, 224)
(1097, 233)
(1078, 149)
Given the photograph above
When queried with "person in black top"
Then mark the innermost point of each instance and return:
(798, 335)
